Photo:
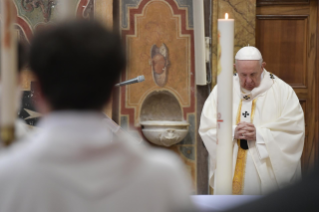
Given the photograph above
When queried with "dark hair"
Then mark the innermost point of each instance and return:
(77, 64)
(22, 56)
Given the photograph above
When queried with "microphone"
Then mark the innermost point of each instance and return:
(132, 81)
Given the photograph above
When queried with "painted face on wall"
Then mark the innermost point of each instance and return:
(159, 63)
(249, 73)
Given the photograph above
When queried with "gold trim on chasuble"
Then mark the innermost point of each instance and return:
(239, 175)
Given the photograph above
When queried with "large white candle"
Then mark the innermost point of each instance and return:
(8, 111)
(223, 179)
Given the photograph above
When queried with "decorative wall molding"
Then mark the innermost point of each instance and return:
(85, 9)
(89, 10)
(182, 15)
(45, 5)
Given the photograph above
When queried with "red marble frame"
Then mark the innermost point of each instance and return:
(81, 7)
(25, 27)
(132, 12)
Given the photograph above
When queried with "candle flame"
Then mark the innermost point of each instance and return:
(226, 16)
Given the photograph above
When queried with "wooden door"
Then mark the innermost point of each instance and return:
(286, 34)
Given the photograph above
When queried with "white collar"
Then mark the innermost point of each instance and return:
(266, 82)
(245, 91)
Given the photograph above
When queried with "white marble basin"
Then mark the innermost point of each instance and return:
(165, 133)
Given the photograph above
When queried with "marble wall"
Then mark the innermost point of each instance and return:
(159, 40)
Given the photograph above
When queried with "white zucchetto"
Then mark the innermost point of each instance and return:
(248, 53)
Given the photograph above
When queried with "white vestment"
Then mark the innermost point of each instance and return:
(273, 160)
(76, 163)
(21, 129)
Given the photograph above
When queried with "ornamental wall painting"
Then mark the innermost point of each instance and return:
(159, 41)
(32, 15)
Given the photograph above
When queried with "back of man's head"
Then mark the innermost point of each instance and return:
(77, 64)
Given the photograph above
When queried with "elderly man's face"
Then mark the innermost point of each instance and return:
(249, 72)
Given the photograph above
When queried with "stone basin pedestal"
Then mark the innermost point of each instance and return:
(165, 133)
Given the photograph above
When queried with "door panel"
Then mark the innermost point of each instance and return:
(286, 33)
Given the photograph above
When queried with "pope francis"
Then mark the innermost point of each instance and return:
(268, 128)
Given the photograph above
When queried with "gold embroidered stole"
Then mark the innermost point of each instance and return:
(239, 175)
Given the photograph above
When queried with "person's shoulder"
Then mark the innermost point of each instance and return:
(167, 166)
(163, 159)
(213, 94)
(279, 82)
(157, 159)
(154, 163)
(166, 173)
(283, 89)
(13, 161)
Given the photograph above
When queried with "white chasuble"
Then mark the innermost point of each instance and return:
(77, 163)
(273, 160)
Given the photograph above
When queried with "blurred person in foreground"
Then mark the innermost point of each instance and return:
(76, 163)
